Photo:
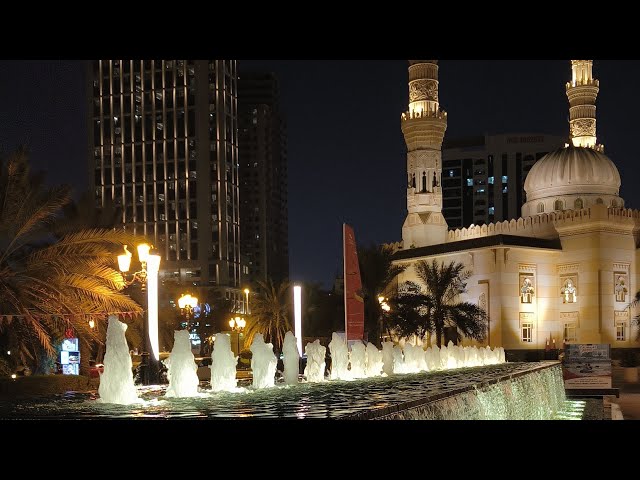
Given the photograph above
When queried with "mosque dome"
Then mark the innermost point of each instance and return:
(571, 178)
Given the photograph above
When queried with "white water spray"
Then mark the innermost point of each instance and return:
(387, 357)
(116, 383)
(314, 371)
(291, 359)
(358, 360)
(339, 358)
(263, 363)
(182, 368)
(223, 365)
(374, 361)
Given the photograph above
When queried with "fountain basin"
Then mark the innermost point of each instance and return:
(396, 396)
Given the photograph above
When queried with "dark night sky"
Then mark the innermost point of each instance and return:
(347, 157)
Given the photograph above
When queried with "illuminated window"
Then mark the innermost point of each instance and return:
(469, 182)
(492, 210)
(570, 332)
(621, 331)
(504, 190)
(504, 179)
(451, 173)
(491, 180)
(526, 332)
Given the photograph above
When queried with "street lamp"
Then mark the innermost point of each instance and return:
(383, 304)
(187, 303)
(147, 277)
(237, 325)
(246, 292)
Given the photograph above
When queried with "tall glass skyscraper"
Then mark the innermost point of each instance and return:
(164, 152)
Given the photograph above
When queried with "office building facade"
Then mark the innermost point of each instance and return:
(263, 178)
(164, 152)
(483, 177)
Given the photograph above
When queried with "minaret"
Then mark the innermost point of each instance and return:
(582, 92)
(423, 127)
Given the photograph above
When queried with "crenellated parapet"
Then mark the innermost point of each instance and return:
(546, 225)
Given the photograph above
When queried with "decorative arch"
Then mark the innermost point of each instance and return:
(558, 205)
(599, 201)
(578, 204)
(614, 204)
(541, 207)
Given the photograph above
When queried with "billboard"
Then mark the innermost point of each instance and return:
(70, 356)
(353, 301)
(587, 366)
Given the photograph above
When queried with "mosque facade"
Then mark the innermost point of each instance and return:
(566, 270)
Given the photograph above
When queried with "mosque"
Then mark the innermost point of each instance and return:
(567, 269)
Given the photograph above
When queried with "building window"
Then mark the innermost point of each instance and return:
(526, 332)
(578, 205)
(614, 204)
(490, 180)
(570, 332)
(621, 332)
(492, 210)
(558, 205)
(505, 179)
(469, 182)
(599, 201)
(541, 208)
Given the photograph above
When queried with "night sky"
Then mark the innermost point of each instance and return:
(347, 160)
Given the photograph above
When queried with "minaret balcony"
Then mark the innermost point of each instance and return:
(416, 115)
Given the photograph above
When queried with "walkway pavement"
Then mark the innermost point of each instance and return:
(629, 400)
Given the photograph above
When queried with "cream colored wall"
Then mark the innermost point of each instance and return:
(589, 254)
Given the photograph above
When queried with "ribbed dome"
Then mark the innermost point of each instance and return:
(570, 171)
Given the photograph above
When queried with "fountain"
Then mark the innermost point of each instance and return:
(339, 358)
(314, 371)
(398, 360)
(223, 365)
(357, 360)
(374, 361)
(182, 368)
(291, 359)
(387, 357)
(263, 363)
(116, 383)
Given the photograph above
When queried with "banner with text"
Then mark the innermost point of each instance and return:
(587, 366)
(353, 301)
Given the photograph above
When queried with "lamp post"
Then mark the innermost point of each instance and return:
(187, 303)
(385, 307)
(246, 292)
(237, 325)
(147, 277)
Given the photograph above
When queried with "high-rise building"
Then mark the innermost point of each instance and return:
(163, 149)
(483, 177)
(263, 178)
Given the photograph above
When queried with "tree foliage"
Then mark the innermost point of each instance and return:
(49, 269)
(270, 313)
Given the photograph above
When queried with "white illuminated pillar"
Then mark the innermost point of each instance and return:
(297, 313)
(152, 306)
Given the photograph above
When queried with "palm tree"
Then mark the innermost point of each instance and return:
(269, 314)
(440, 306)
(376, 271)
(45, 274)
(409, 312)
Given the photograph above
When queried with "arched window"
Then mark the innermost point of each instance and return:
(578, 205)
(541, 208)
(413, 180)
(424, 181)
(599, 201)
(614, 204)
(558, 205)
